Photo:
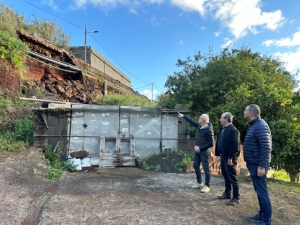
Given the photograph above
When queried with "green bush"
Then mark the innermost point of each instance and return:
(125, 100)
(23, 129)
(282, 175)
(8, 143)
(12, 49)
(19, 138)
(49, 30)
(56, 166)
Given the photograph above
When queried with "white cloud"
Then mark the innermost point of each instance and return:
(154, 1)
(217, 34)
(294, 41)
(190, 5)
(227, 43)
(133, 11)
(149, 94)
(291, 60)
(105, 5)
(155, 21)
(243, 16)
(239, 16)
(51, 4)
(181, 42)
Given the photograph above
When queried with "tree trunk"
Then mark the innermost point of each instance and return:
(294, 175)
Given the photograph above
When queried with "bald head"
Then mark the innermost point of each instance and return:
(204, 118)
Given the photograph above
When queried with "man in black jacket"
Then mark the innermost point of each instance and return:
(204, 140)
(228, 148)
(257, 155)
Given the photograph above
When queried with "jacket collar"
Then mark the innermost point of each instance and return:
(254, 121)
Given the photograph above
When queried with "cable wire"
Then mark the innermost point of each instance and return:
(90, 35)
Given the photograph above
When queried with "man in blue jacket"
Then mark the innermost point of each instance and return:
(204, 140)
(228, 148)
(257, 155)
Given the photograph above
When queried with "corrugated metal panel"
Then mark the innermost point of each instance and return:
(57, 131)
(125, 132)
(115, 135)
(145, 128)
(169, 134)
(95, 124)
(183, 135)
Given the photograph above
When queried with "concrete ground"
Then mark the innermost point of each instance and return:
(123, 196)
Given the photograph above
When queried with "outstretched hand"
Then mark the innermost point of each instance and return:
(180, 115)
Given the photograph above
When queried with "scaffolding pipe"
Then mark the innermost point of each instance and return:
(55, 61)
(45, 100)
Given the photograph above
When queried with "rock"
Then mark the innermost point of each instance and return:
(79, 154)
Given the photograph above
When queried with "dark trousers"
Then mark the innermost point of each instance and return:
(202, 157)
(230, 177)
(261, 188)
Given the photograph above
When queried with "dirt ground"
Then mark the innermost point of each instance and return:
(126, 196)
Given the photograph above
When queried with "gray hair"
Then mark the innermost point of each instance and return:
(205, 118)
(228, 116)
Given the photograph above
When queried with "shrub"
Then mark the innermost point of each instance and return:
(56, 166)
(8, 143)
(23, 129)
(125, 100)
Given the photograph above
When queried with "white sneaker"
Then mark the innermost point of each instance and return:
(197, 186)
(205, 189)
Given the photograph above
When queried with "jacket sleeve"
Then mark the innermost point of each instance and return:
(263, 138)
(191, 121)
(210, 139)
(234, 143)
(216, 147)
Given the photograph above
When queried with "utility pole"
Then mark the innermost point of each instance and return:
(152, 92)
(85, 33)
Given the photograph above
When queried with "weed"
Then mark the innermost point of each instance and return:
(125, 100)
(157, 168)
(56, 166)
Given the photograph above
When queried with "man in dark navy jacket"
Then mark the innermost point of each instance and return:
(257, 155)
(204, 140)
(228, 148)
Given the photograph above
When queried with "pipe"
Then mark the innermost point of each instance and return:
(74, 68)
(44, 100)
(125, 138)
(55, 61)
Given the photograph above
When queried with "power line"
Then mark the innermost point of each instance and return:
(53, 15)
(115, 60)
(143, 86)
(161, 89)
(90, 34)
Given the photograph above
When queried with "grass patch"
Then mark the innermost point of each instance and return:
(282, 175)
(125, 100)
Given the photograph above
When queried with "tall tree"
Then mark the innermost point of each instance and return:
(233, 79)
(230, 81)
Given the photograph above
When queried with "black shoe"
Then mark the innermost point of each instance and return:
(233, 201)
(261, 223)
(254, 218)
(224, 196)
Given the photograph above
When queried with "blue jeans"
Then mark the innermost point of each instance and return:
(230, 177)
(203, 158)
(261, 188)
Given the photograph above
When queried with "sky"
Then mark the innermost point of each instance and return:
(145, 38)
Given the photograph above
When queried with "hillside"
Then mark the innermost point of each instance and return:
(58, 72)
